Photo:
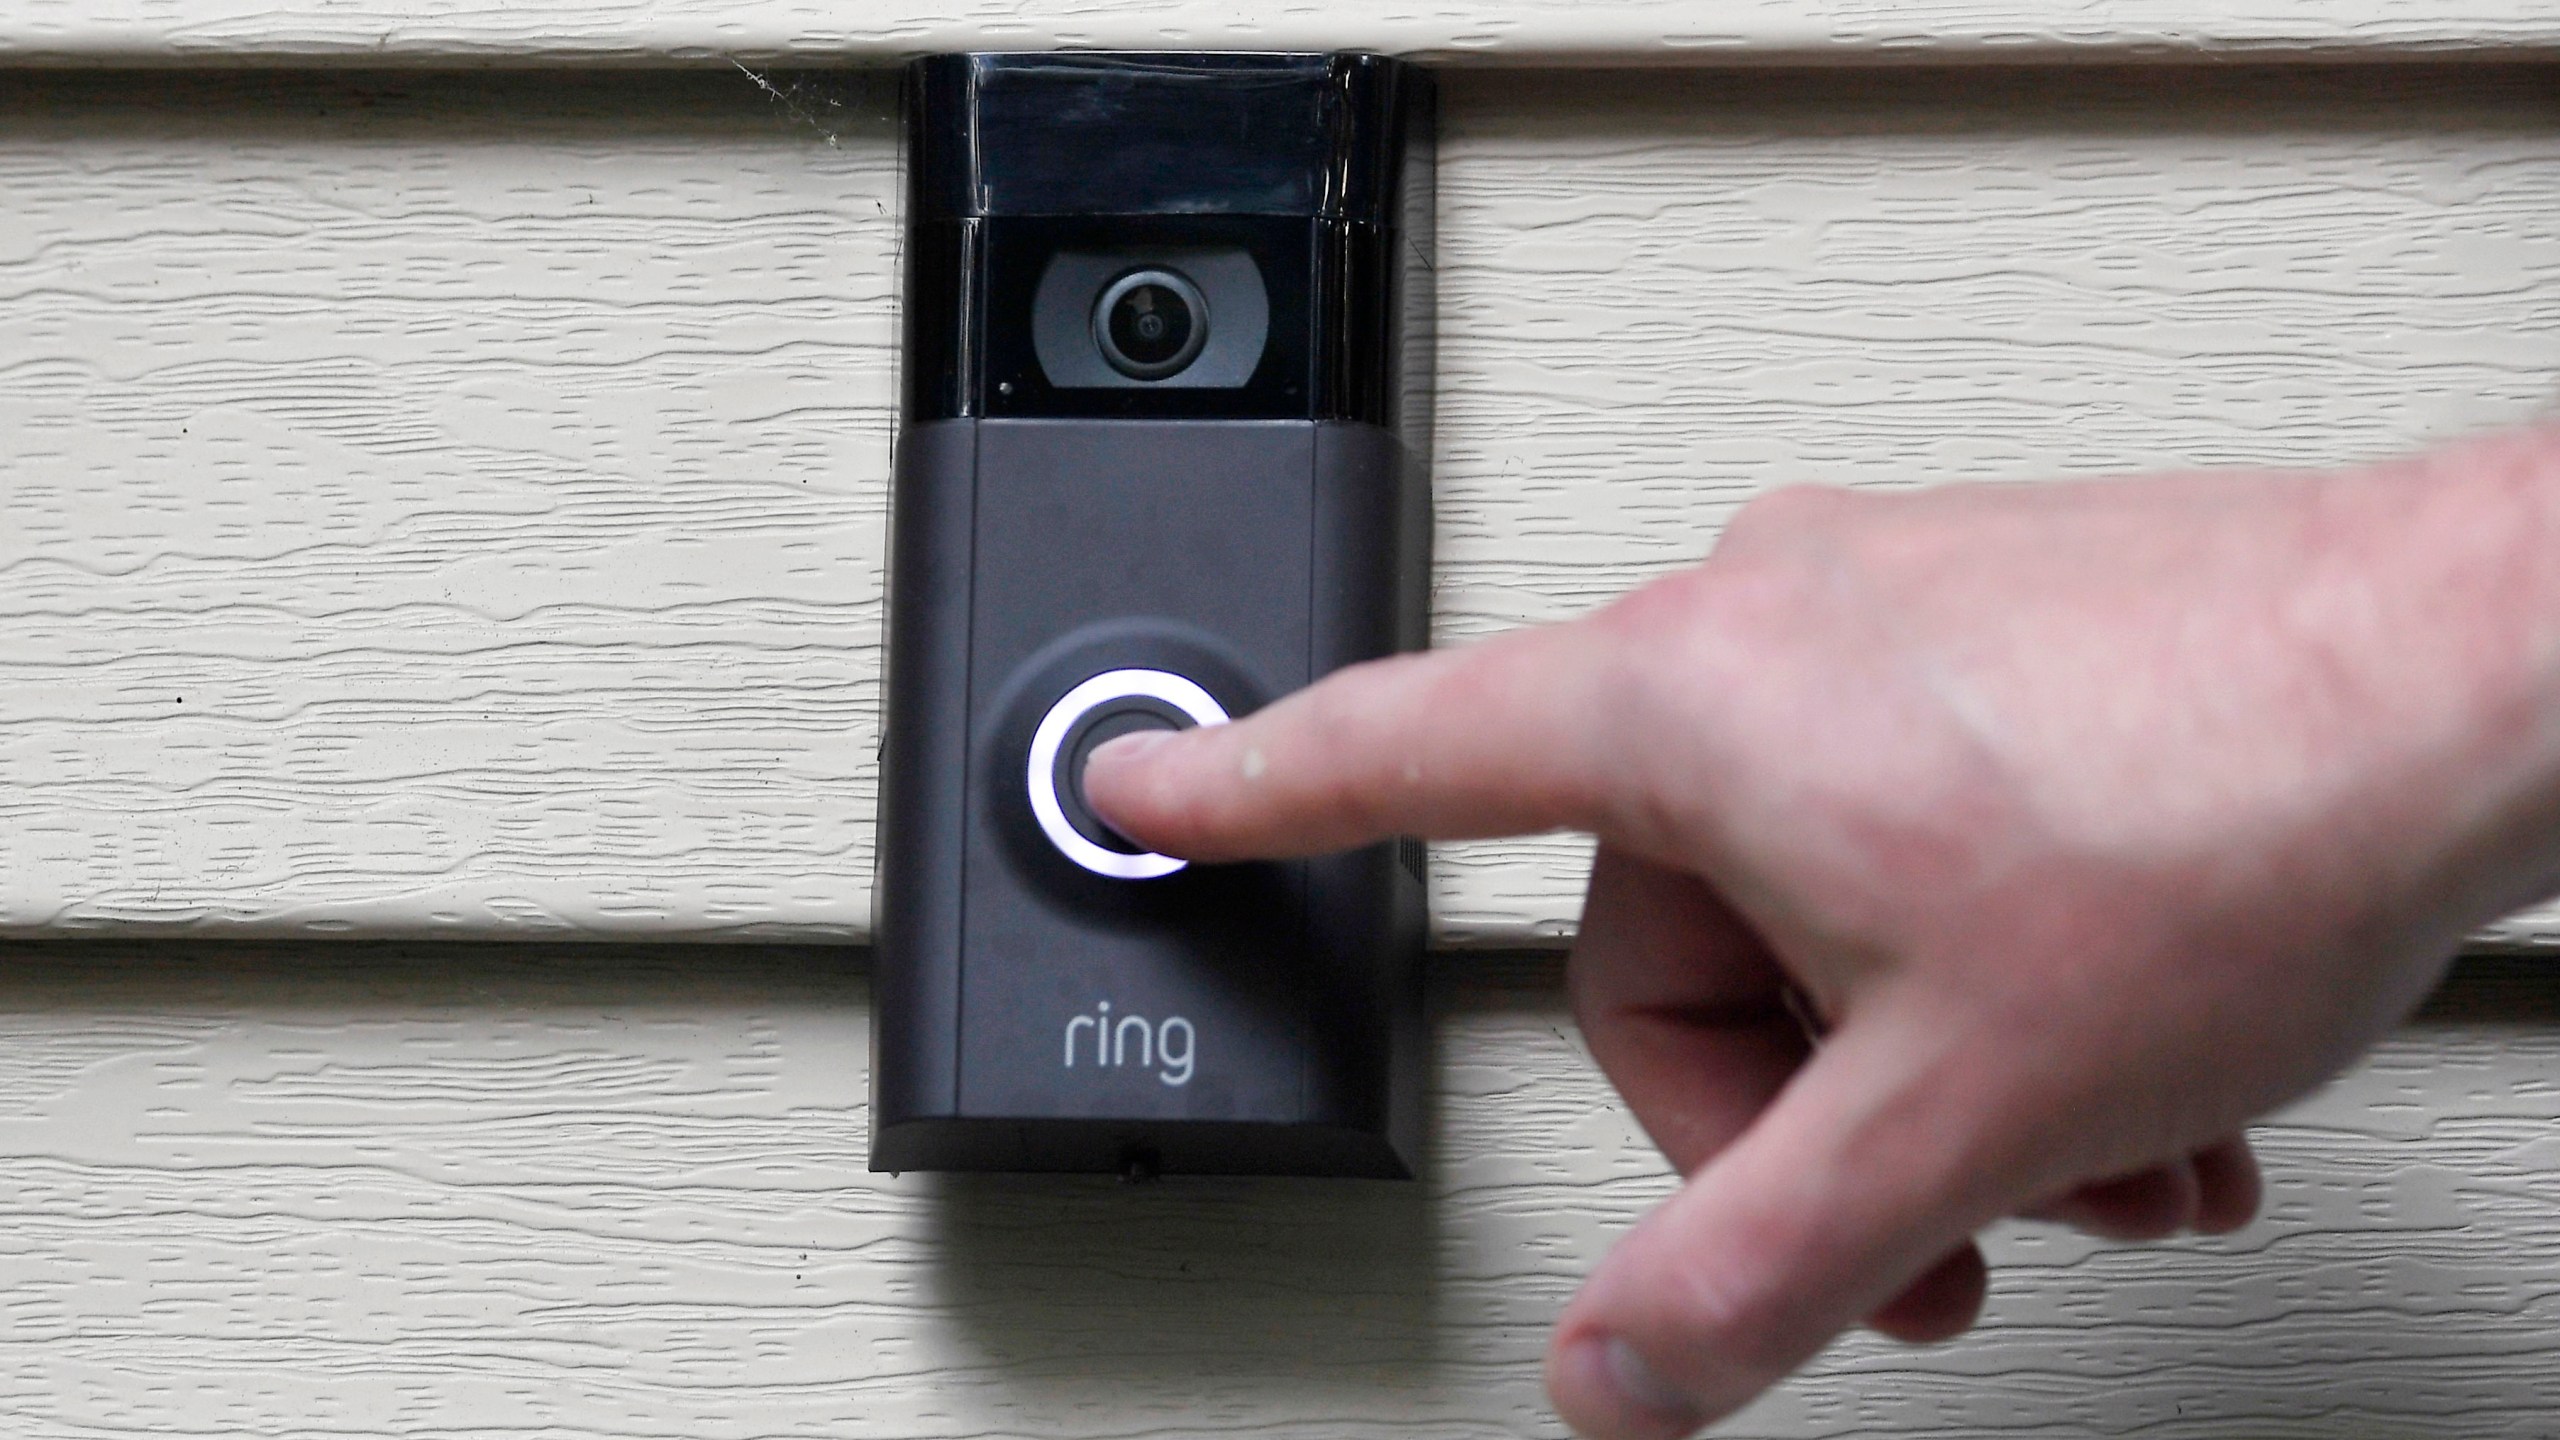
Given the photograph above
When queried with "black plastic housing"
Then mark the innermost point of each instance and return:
(1249, 537)
(1319, 164)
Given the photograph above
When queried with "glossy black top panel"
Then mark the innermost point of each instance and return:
(1158, 134)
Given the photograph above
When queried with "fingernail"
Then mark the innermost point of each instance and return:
(1640, 1389)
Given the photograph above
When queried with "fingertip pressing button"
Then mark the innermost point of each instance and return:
(1100, 725)
(1104, 708)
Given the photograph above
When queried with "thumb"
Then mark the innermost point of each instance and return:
(1862, 1178)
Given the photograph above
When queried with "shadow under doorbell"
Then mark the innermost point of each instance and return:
(1166, 380)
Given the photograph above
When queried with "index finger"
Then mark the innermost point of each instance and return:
(1505, 737)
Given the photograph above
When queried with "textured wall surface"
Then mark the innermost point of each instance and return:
(444, 504)
(419, 1192)
(367, 32)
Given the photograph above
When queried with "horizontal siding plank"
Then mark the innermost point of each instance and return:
(453, 504)
(1649, 32)
(596, 1192)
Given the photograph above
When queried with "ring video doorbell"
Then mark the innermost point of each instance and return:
(1166, 380)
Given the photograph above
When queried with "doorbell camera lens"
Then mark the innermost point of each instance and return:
(1113, 318)
(1151, 323)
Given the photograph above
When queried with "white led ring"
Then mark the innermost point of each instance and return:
(1042, 774)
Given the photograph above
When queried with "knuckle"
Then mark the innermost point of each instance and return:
(1643, 619)
(1789, 513)
(1797, 566)
(1785, 550)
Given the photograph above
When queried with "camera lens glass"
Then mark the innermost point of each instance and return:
(1151, 323)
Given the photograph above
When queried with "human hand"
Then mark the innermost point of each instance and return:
(2085, 822)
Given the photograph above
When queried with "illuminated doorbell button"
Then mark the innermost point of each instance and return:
(1114, 703)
